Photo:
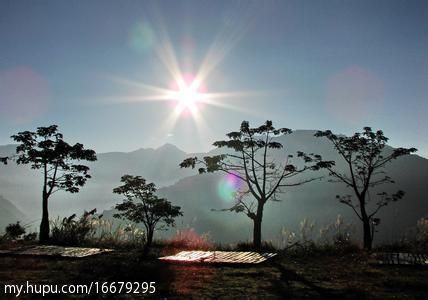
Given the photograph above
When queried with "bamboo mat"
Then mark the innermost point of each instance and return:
(219, 257)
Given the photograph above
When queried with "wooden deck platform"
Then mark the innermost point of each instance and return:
(399, 258)
(229, 257)
(54, 251)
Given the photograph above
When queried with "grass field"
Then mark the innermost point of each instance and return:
(321, 275)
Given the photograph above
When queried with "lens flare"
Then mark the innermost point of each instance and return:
(24, 94)
(228, 186)
(142, 37)
(354, 95)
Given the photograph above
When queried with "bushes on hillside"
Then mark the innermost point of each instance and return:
(15, 231)
(334, 237)
(71, 231)
(93, 230)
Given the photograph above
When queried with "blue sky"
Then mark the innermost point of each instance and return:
(338, 65)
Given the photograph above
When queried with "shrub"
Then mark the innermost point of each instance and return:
(266, 246)
(108, 234)
(421, 235)
(337, 234)
(14, 231)
(30, 236)
(334, 237)
(415, 239)
(96, 231)
(71, 231)
(188, 238)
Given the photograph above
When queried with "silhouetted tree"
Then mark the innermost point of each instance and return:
(14, 231)
(45, 149)
(141, 205)
(251, 162)
(365, 158)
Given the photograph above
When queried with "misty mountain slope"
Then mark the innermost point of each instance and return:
(159, 165)
(7, 150)
(315, 200)
(23, 185)
(9, 214)
(198, 194)
(19, 184)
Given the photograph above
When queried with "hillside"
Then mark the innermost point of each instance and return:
(198, 194)
(9, 213)
(22, 185)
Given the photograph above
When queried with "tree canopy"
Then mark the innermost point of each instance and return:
(142, 205)
(59, 161)
(365, 154)
(251, 161)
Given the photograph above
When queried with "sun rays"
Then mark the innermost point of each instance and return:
(188, 94)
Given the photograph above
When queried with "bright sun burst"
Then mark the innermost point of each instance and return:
(188, 96)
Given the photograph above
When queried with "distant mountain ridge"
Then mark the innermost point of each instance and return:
(149, 163)
(22, 185)
(198, 194)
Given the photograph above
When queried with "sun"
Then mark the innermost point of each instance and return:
(188, 96)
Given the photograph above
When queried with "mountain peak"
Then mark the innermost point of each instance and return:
(168, 147)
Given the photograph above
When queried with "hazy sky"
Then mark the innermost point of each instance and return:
(88, 66)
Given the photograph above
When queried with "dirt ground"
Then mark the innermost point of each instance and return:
(349, 276)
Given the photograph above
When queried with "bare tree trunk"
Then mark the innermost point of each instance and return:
(367, 232)
(44, 225)
(149, 241)
(150, 237)
(367, 235)
(257, 233)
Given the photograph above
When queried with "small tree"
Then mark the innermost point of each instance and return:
(141, 205)
(252, 163)
(14, 231)
(45, 149)
(365, 159)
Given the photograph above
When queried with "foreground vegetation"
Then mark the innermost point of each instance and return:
(304, 268)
